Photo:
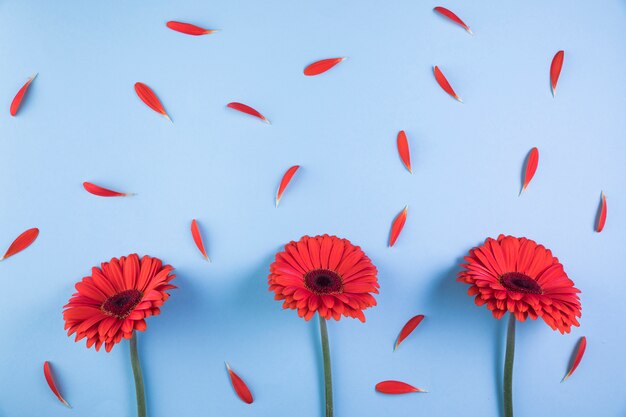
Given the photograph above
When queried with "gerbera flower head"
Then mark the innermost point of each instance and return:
(522, 277)
(115, 300)
(324, 274)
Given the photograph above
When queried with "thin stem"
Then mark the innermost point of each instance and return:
(328, 379)
(139, 389)
(508, 367)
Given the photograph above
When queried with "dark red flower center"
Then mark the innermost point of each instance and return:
(518, 282)
(121, 304)
(323, 281)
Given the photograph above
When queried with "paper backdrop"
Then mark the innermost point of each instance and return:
(82, 121)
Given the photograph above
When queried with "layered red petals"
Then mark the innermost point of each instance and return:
(116, 299)
(325, 275)
(539, 287)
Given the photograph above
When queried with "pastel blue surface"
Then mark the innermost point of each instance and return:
(82, 121)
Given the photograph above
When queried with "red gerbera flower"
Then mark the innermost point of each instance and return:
(114, 301)
(518, 275)
(324, 274)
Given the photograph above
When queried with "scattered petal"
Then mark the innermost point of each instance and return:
(285, 181)
(396, 387)
(322, 66)
(444, 84)
(17, 100)
(188, 28)
(580, 351)
(555, 70)
(21, 242)
(197, 238)
(408, 329)
(150, 99)
(531, 167)
(103, 192)
(239, 386)
(47, 371)
(601, 213)
(247, 110)
(397, 226)
(403, 150)
(447, 13)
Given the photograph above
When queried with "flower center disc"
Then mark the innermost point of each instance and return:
(516, 281)
(121, 304)
(323, 281)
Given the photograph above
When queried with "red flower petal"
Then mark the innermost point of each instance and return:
(322, 66)
(555, 70)
(447, 13)
(397, 226)
(247, 110)
(396, 387)
(531, 167)
(285, 181)
(103, 192)
(150, 99)
(47, 371)
(580, 351)
(21, 242)
(408, 329)
(444, 84)
(197, 238)
(601, 214)
(188, 28)
(403, 150)
(17, 100)
(239, 386)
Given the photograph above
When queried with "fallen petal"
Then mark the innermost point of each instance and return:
(188, 28)
(21, 242)
(408, 329)
(580, 351)
(397, 226)
(396, 387)
(247, 110)
(17, 100)
(103, 192)
(531, 167)
(444, 84)
(197, 238)
(450, 15)
(601, 213)
(403, 150)
(240, 387)
(47, 371)
(555, 70)
(150, 99)
(322, 66)
(284, 182)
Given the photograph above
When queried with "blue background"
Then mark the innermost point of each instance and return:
(82, 122)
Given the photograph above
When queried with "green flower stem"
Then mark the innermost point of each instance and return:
(139, 389)
(508, 368)
(328, 379)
